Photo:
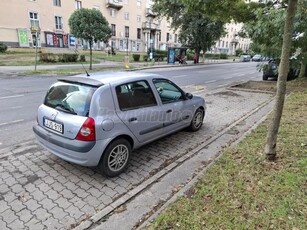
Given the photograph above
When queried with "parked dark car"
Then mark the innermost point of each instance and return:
(245, 58)
(257, 57)
(270, 70)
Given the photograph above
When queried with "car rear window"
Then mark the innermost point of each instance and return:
(72, 98)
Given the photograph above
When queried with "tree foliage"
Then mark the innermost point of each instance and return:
(197, 30)
(90, 25)
(225, 10)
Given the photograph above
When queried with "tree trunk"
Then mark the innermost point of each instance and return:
(91, 53)
(303, 69)
(270, 147)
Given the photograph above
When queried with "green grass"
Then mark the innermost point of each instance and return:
(242, 190)
(26, 56)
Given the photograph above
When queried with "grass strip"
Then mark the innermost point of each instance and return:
(242, 190)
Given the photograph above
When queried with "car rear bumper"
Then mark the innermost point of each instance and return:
(78, 152)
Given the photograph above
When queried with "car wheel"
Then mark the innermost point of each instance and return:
(115, 158)
(197, 120)
(264, 77)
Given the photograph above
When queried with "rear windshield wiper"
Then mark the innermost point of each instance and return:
(65, 109)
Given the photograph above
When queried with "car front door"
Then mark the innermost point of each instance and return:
(178, 111)
(137, 108)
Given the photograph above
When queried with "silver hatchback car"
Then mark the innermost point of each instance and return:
(98, 120)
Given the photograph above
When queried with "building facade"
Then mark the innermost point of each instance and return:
(27, 23)
(232, 41)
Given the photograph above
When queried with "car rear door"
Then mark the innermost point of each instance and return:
(138, 110)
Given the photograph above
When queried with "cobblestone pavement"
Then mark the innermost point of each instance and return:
(41, 191)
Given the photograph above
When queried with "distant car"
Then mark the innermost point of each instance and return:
(257, 58)
(245, 58)
(270, 70)
(98, 120)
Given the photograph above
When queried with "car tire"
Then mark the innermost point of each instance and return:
(264, 77)
(197, 120)
(115, 158)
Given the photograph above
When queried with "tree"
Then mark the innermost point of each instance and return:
(301, 36)
(90, 25)
(265, 31)
(270, 147)
(197, 31)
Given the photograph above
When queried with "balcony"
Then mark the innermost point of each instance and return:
(151, 26)
(116, 4)
(150, 13)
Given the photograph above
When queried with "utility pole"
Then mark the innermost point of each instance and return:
(36, 44)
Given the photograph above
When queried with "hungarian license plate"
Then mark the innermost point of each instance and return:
(53, 125)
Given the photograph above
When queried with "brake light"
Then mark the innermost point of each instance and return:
(87, 131)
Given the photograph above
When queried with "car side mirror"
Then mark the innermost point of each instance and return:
(189, 95)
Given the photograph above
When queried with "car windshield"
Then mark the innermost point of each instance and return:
(71, 98)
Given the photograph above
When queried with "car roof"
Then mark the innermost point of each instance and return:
(102, 78)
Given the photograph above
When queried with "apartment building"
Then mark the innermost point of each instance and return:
(27, 23)
(232, 41)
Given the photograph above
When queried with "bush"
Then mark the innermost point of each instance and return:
(136, 57)
(145, 58)
(190, 55)
(212, 56)
(239, 52)
(3, 47)
(68, 57)
(82, 58)
(158, 55)
(47, 57)
(223, 56)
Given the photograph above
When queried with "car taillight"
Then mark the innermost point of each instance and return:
(87, 131)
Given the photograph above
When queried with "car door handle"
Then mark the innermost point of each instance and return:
(169, 111)
(132, 119)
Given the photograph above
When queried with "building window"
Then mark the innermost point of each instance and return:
(138, 18)
(57, 2)
(78, 5)
(138, 33)
(112, 13)
(167, 37)
(113, 28)
(139, 3)
(127, 31)
(176, 37)
(58, 23)
(34, 20)
(159, 34)
(126, 16)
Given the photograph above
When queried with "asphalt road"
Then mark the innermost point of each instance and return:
(20, 96)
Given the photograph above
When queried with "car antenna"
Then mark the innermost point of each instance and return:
(87, 74)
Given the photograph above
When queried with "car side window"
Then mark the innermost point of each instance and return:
(168, 91)
(135, 95)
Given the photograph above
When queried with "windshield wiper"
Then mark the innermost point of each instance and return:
(65, 109)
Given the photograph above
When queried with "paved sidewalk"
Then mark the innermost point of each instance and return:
(40, 191)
